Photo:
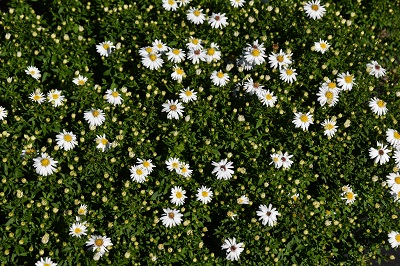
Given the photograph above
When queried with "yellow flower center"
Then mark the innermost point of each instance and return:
(173, 107)
(104, 141)
(289, 72)
(397, 237)
(159, 45)
(381, 103)
(294, 197)
(37, 97)
(149, 49)
(171, 2)
(329, 95)
(397, 180)
(276, 159)
(47, 264)
(179, 71)
(350, 195)
(255, 52)
(348, 79)
(171, 215)
(68, 138)
(55, 96)
(188, 93)
(175, 165)
(197, 13)
(153, 57)
(268, 97)
(322, 45)
(114, 94)
(304, 118)
(195, 41)
(240, 200)
(81, 211)
(139, 171)
(220, 75)
(99, 242)
(176, 51)
(204, 193)
(396, 135)
(211, 51)
(184, 170)
(81, 82)
(28, 152)
(32, 72)
(95, 113)
(315, 7)
(178, 194)
(77, 230)
(280, 58)
(45, 162)
(331, 85)
(146, 164)
(106, 46)
(329, 126)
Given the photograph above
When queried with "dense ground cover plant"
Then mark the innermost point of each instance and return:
(199, 132)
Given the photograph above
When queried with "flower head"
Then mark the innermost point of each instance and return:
(302, 121)
(94, 117)
(268, 215)
(33, 71)
(173, 108)
(204, 194)
(45, 262)
(314, 9)
(394, 239)
(223, 169)
(66, 140)
(99, 244)
(44, 165)
(80, 80)
(375, 69)
(378, 106)
(321, 46)
(178, 195)
(105, 48)
(330, 127)
(77, 230)
(380, 154)
(233, 249)
(171, 217)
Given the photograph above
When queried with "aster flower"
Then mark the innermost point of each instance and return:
(267, 98)
(146, 164)
(233, 249)
(139, 173)
(178, 74)
(82, 210)
(394, 239)
(175, 55)
(77, 230)
(145, 51)
(314, 9)
(33, 71)
(213, 53)
(349, 196)
(268, 215)
(44, 165)
(113, 97)
(37, 96)
(184, 170)
(288, 75)
(218, 20)
(252, 87)
(45, 262)
(152, 61)
(105, 48)
(173, 164)
(237, 3)
(346, 81)
(380, 154)
(178, 195)
(197, 55)
(66, 140)
(302, 121)
(396, 157)
(328, 96)
(219, 78)
(321, 46)
(276, 160)
(94, 117)
(195, 16)
(171, 217)
(55, 98)
(188, 95)
(285, 159)
(159, 46)
(173, 108)
(393, 137)
(194, 44)
(243, 200)
(99, 244)
(279, 60)
(378, 106)
(330, 127)
(223, 169)
(102, 143)
(170, 5)
(375, 69)
(204, 194)
(255, 53)
(393, 181)
(80, 80)
(3, 113)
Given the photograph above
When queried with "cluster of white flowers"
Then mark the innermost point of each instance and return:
(348, 195)
(141, 170)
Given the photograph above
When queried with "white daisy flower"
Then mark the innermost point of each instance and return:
(237, 3)
(3, 113)
(288, 75)
(184, 170)
(37, 96)
(204, 194)
(45, 262)
(380, 154)
(268, 215)
(66, 140)
(233, 249)
(195, 15)
(314, 9)
(197, 55)
(276, 160)
(105, 48)
(94, 117)
(188, 95)
(170, 5)
(171, 217)
(102, 143)
(302, 121)
(331, 85)
(178, 195)
(394, 239)
(194, 44)
(159, 46)
(279, 60)
(146, 164)
(267, 98)
(378, 106)
(77, 230)
(33, 71)
(139, 173)
(213, 53)
(152, 61)
(393, 181)
(218, 20)
(252, 87)
(80, 80)
(349, 196)
(173, 108)
(223, 169)
(321, 46)
(375, 69)
(44, 165)
(285, 159)
(330, 127)
(255, 54)
(393, 137)
(99, 244)
(178, 74)
(346, 81)
(82, 210)
(243, 200)
(173, 164)
(175, 55)
(328, 96)
(113, 97)
(219, 78)
(145, 51)
(55, 98)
